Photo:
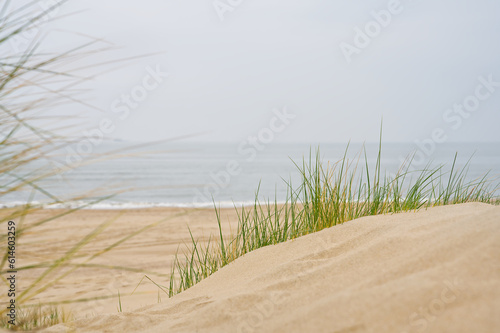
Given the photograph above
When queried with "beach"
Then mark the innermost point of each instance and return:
(434, 270)
(150, 253)
(249, 167)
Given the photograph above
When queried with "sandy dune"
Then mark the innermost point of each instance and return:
(431, 271)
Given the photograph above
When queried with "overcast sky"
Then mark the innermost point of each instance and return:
(337, 66)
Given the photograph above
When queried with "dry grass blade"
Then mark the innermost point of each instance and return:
(32, 81)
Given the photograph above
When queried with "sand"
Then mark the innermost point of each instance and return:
(436, 270)
(150, 252)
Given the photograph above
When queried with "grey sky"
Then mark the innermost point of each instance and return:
(226, 77)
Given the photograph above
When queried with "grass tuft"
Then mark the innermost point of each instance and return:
(328, 195)
(35, 318)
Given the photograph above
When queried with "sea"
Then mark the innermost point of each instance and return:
(121, 175)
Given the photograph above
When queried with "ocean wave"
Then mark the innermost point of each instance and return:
(124, 205)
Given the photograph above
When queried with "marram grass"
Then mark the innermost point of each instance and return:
(32, 82)
(326, 196)
(37, 317)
